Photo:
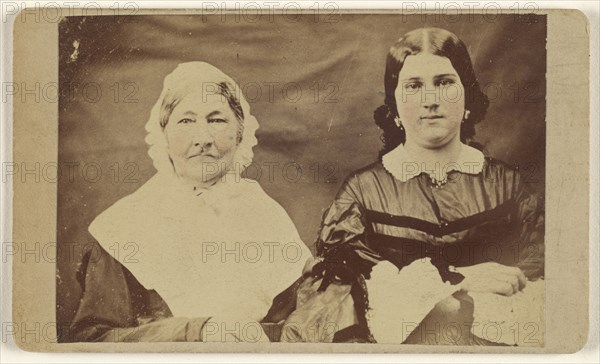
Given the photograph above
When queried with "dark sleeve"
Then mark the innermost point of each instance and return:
(530, 205)
(115, 307)
(341, 242)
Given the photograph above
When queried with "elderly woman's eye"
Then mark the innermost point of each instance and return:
(217, 120)
(185, 121)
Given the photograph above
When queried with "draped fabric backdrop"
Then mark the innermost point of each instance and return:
(312, 83)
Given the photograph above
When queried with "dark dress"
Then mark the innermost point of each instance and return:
(490, 216)
(115, 307)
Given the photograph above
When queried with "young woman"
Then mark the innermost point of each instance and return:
(430, 201)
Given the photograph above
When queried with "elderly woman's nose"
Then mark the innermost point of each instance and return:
(201, 135)
(202, 139)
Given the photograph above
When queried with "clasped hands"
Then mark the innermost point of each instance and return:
(491, 277)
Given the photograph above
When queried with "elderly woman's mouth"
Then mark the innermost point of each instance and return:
(205, 155)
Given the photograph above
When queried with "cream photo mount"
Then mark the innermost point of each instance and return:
(35, 60)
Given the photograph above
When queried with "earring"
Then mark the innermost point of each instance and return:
(467, 113)
(398, 123)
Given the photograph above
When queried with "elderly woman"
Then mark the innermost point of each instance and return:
(434, 240)
(209, 255)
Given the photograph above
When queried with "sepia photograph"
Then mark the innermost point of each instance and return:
(320, 178)
(299, 179)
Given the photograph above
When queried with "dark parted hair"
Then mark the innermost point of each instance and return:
(439, 42)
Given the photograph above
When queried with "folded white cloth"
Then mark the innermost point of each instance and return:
(515, 320)
(400, 300)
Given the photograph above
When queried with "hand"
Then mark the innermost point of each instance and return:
(492, 277)
(220, 329)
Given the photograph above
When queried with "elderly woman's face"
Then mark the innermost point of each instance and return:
(430, 100)
(202, 134)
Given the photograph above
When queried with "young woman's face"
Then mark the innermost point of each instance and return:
(202, 134)
(430, 99)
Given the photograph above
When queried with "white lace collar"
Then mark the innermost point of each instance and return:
(404, 167)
